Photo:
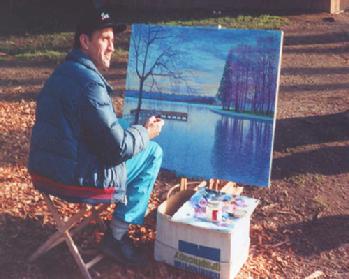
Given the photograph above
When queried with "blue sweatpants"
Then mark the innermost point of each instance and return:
(142, 171)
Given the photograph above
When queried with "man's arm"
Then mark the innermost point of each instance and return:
(102, 132)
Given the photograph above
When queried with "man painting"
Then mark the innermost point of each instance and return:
(78, 140)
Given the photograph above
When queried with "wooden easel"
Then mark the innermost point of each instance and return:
(214, 184)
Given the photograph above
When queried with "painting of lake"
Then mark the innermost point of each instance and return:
(216, 89)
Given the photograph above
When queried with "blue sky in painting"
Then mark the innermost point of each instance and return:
(203, 53)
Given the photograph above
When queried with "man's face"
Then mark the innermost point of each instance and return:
(100, 47)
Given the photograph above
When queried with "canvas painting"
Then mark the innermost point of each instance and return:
(216, 89)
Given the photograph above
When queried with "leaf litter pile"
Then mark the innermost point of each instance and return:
(300, 228)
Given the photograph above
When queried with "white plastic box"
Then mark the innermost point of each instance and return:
(211, 253)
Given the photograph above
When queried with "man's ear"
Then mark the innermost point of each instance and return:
(84, 41)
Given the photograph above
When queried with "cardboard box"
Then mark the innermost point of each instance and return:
(211, 253)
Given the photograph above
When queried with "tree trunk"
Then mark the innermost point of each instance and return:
(139, 106)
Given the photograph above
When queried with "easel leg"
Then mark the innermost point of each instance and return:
(183, 184)
(213, 184)
(232, 189)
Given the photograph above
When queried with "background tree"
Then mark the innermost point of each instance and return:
(265, 76)
(225, 89)
(235, 84)
(248, 82)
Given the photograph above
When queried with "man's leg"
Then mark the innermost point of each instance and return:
(142, 171)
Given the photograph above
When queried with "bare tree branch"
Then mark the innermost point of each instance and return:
(153, 63)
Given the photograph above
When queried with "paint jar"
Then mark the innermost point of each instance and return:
(214, 211)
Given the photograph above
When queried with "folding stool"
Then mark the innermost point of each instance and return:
(94, 201)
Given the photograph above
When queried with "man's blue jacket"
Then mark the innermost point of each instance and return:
(77, 139)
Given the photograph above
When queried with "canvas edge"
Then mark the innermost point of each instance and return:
(276, 104)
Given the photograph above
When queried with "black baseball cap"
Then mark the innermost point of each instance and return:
(96, 19)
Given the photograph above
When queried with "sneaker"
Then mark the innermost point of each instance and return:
(122, 251)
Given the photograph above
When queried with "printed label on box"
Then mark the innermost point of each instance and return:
(198, 258)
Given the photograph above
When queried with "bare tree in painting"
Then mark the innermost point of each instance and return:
(155, 57)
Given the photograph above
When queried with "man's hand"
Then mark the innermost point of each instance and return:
(154, 126)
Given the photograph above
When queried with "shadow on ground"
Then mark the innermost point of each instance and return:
(335, 37)
(323, 161)
(14, 63)
(292, 71)
(19, 238)
(320, 235)
(314, 130)
(299, 131)
(300, 88)
(17, 97)
(312, 50)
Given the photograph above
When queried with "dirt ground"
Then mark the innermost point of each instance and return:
(300, 228)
